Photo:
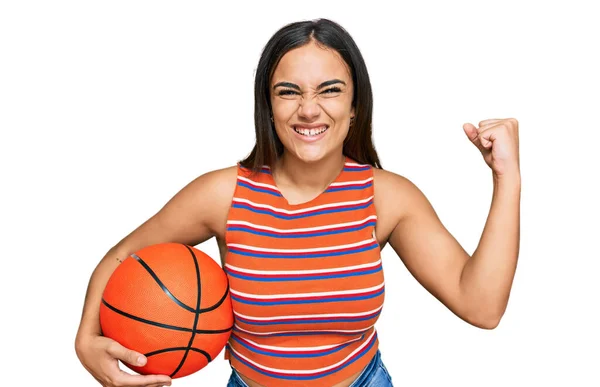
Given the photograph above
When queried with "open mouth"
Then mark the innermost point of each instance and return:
(311, 132)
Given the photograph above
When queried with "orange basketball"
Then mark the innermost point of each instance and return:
(170, 302)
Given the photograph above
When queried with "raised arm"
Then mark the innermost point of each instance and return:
(195, 214)
(476, 288)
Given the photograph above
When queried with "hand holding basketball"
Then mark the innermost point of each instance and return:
(171, 303)
(100, 357)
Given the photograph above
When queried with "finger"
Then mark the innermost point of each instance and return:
(487, 137)
(490, 121)
(125, 379)
(159, 385)
(129, 356)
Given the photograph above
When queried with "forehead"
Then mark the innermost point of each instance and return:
(310, 65)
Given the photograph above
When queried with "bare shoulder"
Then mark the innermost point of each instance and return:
(396, 197)
(389, 180)
(212, 192)
(219, 181)
(394, 189)
(196, 213)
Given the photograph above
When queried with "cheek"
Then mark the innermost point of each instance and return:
(336, 108)
(283, 109)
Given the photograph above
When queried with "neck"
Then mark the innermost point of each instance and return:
(317, 176)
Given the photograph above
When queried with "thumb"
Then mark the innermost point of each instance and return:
(129, 356)
(471, 132)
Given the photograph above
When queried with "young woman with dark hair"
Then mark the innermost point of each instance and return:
(302, 220)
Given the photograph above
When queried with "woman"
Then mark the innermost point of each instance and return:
(301, 222)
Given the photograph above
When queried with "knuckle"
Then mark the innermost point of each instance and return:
(129, 356)
(112, 346)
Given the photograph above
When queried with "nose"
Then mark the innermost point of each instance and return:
(309, 108)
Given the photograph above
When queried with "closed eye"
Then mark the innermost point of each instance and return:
(332, 90)
(287, 92)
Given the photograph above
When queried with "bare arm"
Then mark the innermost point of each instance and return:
(488, 276)
(194, 215)
(475, 288)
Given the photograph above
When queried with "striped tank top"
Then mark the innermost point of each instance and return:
(306, 280)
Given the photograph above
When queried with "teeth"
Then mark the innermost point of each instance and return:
(310, 132)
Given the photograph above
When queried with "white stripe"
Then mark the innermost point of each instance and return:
(302, 316)
(291, 212)
(332, 270)
(343, 183)
(306, 229)
(317, 370)
(313, 331)
(258, 184)
(356, 165)
(300, 295)
(300, 349)
(328, 248)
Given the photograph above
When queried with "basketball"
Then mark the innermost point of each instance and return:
(170, 302)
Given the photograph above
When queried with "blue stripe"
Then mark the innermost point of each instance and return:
(282, 216)
(292, 355)
(310, 255)
(328, 320)
(302, 377)
(357, 169)
(264, 190)
(313, 301)
(309, 277)
(303, 235)
(336, 189)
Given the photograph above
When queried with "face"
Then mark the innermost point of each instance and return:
(311, 98)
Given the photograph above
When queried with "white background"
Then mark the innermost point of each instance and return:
(108, 108)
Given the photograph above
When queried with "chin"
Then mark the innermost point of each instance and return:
(307, 155)
(312, 156)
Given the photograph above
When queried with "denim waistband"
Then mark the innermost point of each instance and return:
(369, 370)
(365, 375)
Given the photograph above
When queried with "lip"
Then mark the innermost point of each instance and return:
(312, 138)
(310, 126)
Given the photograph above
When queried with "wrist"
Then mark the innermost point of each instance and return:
(85, 334)
(508, 179)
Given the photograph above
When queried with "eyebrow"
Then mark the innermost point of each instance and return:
(294, 86)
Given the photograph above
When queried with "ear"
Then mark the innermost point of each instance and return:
(352, 113)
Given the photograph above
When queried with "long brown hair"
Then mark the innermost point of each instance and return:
(358, 144)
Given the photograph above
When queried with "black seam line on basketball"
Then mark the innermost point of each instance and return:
(206, 354)
(165, 326)
(162, 286)
(215, 306)
(168, 293)
(197, 314)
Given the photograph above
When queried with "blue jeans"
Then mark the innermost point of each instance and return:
(373, 375)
